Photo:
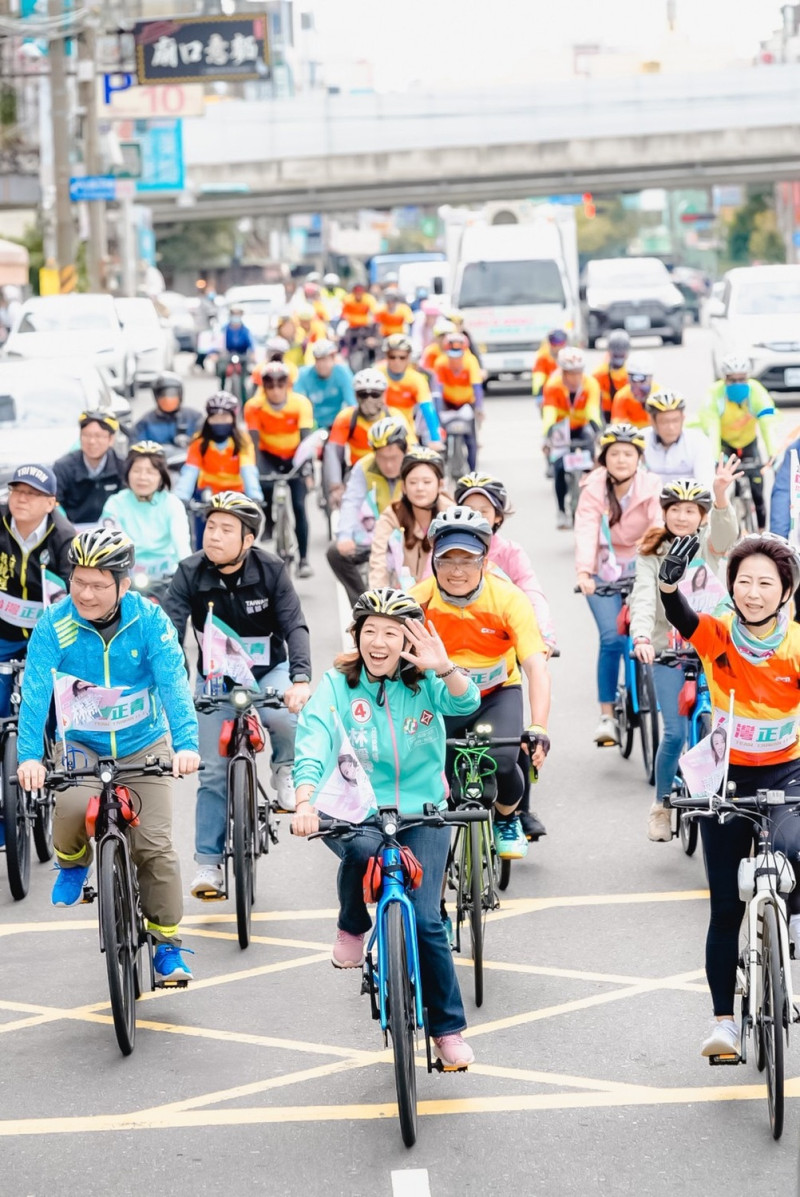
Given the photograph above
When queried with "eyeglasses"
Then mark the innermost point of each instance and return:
(459, 562)
(638, 377)
(369, 394)
(92, 587)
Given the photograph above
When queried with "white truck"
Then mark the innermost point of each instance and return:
(514, 281)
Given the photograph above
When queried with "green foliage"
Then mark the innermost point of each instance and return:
(196, 245)
(8, 106)
(753, 232)
(609, 232)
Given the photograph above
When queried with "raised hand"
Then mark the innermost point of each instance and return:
(673, 566)
(426, 650)
(726, 474)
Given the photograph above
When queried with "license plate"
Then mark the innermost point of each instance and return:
(791, 378)
(637, 323)
(513, 363)
(574, 462)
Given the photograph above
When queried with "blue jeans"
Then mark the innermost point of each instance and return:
(9, 649)
(605, 608)
(212, 793)
(675, 727)
(440, 992)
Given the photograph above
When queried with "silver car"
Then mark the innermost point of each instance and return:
(756, 313)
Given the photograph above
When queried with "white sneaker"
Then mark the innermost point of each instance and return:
(606, 732)
(659, 826)
(209, 883)
(723, 1039)
(284, 787)
(563, 521)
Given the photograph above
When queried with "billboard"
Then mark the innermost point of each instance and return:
(201, 48)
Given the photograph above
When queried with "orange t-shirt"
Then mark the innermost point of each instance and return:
(611, 383)
(393, 322)
(279, 428)
(220, 467)
(405, 393)
(626, 409)
(359, 313)
(457, 382)
(340, 433)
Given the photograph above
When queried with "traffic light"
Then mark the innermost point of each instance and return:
(589, 209)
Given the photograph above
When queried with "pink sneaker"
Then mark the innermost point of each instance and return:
(348, 950)
(454, 1052)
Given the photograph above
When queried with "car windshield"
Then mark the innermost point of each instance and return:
(40, 402)
(510, 284)
(627, 275)
(770, 297)
(66, 317)
(256, 307)
(134, 312)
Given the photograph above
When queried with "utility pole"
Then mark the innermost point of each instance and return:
(59, 99)
(96, 245)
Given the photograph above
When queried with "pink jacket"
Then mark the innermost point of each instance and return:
(642, 512)
(515, 563)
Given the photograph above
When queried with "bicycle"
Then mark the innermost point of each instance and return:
(391, 973)
(250, 828)
(282, 513)
(23, 812)
(232, 375)
(763, 974)
(123, 934)
(697, 700)
(577, 461)
(743, 503)
(457, 424)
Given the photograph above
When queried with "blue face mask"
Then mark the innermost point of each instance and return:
(737, 392)
(455, 353)
(394, 374)
(616, 363)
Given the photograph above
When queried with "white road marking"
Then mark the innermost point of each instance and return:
(411, 1182)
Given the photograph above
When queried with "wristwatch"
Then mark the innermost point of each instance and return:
(301, 677)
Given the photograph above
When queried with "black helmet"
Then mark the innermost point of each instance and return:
(620, 434)
(388, 603)
(168, 383)
(422, 455)
(246, 510)
(482, 484)
(103, 548)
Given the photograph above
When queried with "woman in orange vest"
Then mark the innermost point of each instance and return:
(612, 375)
(628, 406)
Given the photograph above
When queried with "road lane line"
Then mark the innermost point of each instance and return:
(410, 1182)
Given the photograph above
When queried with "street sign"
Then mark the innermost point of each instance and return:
(92, 187)
(153, 151)
(119, 99)
(796, 237)
(201, 48)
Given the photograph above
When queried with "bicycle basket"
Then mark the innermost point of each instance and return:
(687, 697)
(373, 874)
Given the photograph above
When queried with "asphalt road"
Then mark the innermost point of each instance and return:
(268, 1076)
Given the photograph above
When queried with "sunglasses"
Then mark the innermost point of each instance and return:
(459, 562)
(369, 394)
(397, 357)
(638, 377)
(271, 383)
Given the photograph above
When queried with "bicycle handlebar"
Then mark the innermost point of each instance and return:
(623, 587)
(386, 818)
(61, 779)
(761, 801)
(270, 699)
(490, 742)
(676, 657)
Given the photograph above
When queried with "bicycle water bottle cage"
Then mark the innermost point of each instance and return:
(624, 620)
(373, 874)
(687, 697)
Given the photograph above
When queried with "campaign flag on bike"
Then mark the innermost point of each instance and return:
(368, 516)
(395, 561)
(705, 766)
(82, 706)
(224, 654)
(608, 570)
(53, 587)
(345, 791)
(794, 502)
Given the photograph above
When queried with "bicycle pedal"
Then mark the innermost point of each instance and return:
(606, 744)
(727, 1059)
(440, 1067)
(88, 895)
(168, 983)
(211, 895)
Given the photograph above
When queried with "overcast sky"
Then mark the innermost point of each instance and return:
(488, 41)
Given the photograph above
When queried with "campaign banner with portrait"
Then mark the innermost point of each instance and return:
(82, 706)
(345, 791)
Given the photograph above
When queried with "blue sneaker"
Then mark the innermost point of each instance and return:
(68, 888)
(170, 966)
(509, 839)
(2, 833)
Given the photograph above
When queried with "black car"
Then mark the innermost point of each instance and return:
(636, 294)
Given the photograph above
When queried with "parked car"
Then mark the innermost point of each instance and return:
(58, 326)
(636, 294)
(757, 313)
(40, 408)
(150, 338)
(181, 319)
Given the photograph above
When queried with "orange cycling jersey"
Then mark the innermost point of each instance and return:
(359, 313)
(765, 695)
(584, 408)
(430, 356)
(405, 393)
(279, 428)
(611, 382)
(351, 429)
(488, 637)
(545, 363)
(220, 466)
(393, 322)
(458, 379)
(626, 408)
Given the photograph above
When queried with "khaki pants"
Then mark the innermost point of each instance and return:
(151, 844)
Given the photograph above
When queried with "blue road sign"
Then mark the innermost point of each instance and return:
(92, 187)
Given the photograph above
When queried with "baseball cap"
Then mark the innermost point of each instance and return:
(464, 541)
(38, 477)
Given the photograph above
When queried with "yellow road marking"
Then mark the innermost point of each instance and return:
(272, 940)
(541, 970)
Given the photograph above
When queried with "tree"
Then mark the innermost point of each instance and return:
(766, 244)
(753, 232)
(196, 245)
(608, 233)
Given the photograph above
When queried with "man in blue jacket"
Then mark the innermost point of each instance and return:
(328, 384)
(101, 638)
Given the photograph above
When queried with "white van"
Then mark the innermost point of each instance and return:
(516, 282)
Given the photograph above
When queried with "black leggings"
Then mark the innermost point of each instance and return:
(297, 489)
(750, 456)
(502, 708)
(724, 845)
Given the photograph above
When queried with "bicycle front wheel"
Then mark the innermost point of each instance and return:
(402, 1022)
(476, 908)
(119, 944)
(15, 821)
(771, 1019)
(43, 826)
(244, 864)
(648, 719)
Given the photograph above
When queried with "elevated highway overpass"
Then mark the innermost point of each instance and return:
(333, 153)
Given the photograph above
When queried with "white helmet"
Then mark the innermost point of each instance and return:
(734, 363)
(443, 326)
(322, 348)
(369, 380)
(640, 363)
(330, 280)
(571, 358)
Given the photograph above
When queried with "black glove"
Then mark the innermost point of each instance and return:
(537, 737)
(681, 552)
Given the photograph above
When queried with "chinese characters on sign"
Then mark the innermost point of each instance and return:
(202, 48)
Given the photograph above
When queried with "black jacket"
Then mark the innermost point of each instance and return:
(258, 600)
(82, 497)
(21, 575)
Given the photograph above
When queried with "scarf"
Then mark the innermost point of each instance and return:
(756, 649)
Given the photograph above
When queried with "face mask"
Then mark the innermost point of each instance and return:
(169, 403)
(616, 363)
(395, 374)
(737, 392)
(235, 322)
(220, 432)
(455, 353)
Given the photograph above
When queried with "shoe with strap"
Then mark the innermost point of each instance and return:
(453, 1052)
(68, 887)
(509, 838)
(169, 964)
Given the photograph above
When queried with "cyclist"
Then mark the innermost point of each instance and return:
(169, 422)
(310, 329)
(686, 504)
(88, 475)
(147, 511)
(619, 502)
(277, 424)
(754, 654)
(546, 359)
(570, 415)
(327, 383)
(429, 314)
(672, 450)
(400, 553)
(333, 294)
(287, 330)
(737, 411)
(358, 318)
(252, 593)
(435, 349)
(457, 385)
(75, 637)
(456, 318)
(221, 455)
(780, 499)
(393, 316)
(628, 405)
(488, 626)
(276, 349)
(407, 388)
(237, 340)
(399, 675)
(349, 434)
(612, 375)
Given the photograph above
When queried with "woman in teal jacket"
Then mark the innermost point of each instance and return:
(389, 698)
(149, 513)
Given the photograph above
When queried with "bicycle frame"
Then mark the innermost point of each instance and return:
(393, 891)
